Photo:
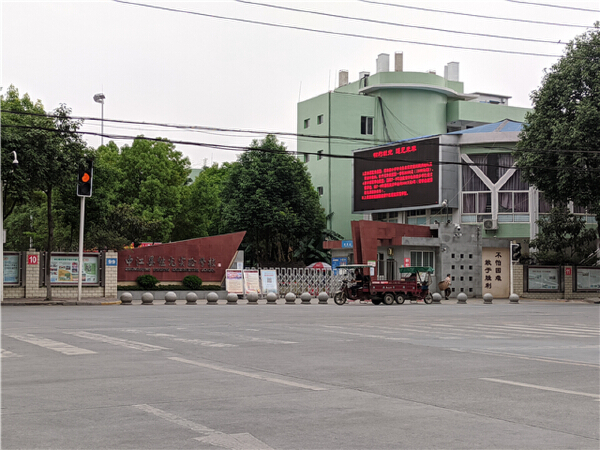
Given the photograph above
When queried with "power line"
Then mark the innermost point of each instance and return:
(394, 159)
(372, 142)
(334, 33)
(418, 8)
(381, 22)
(554, 6)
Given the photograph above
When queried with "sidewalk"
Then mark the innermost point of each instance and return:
(116, 301)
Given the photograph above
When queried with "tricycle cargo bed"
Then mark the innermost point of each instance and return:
(393, 286)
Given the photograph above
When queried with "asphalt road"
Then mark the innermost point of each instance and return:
(245, 377)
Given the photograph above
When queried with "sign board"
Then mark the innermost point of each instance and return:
(336, 262)
(568, 271)
(394, 176)
(543, 278)
(11, 269)
(406, 262)
(496, 272)
(269, 281)
(588, 278)
(111, 262)
(234, 281)
(65, 270)
(251, 281)
(347, 244)
(33, 259)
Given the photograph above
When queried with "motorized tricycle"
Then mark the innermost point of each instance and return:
(413, 285)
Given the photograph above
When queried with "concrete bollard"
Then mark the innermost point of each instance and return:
(170, 298)
(462, 298)
(212, 298)
(290, 298)
(305, 298)
(252, 298)
(191, 298)
(232, 299)
(271, 298)
(514, 298)
(147, 298)
(323, 298)
(126, 298)
(487, 298)
(437, 298)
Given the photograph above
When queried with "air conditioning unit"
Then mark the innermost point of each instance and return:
(490, 224)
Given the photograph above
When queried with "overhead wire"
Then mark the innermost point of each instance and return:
(479, 16)
(334, 33)
(573, 8)
(403, 25)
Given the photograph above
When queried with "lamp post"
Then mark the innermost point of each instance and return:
(99, 98)
(15, 164)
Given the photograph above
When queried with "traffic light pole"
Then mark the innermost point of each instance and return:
(512, 290)
(80, 269)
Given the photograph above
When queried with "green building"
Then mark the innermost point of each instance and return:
(386, 107)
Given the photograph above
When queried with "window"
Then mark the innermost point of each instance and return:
(386, 217)
(421, 259)
(320, 154)
(306, 157)
(306, 123)
(416, 217)
(366, 125)
(320, 190)
(319, 119)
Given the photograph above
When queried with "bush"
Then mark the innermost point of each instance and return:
(147, 281)
(192, 282)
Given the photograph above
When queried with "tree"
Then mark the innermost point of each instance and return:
(559, 150)
(200, 213)
(563, 239)
(269, 194)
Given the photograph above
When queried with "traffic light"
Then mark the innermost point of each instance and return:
(84, 180)
(516, 251)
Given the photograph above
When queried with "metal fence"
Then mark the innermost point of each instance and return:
(303, 280)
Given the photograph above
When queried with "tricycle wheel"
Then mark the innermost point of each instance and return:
(388, 298)
(339, 298)
(428, 298)
(376, 301)
(399, 299)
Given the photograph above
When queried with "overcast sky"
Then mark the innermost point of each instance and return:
(195, 69)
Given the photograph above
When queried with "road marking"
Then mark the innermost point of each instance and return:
(543, 388)
(9, 354)
(184, 340)
(521, 356)
(116, 341)
(248, 374)
(375, 336)
(239, 441)
(60, 347)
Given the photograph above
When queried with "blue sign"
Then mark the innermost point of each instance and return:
(347, 244)
(111, 262)
(336, 262)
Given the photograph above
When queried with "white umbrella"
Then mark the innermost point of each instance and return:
(319, 265)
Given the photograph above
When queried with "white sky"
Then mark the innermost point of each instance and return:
(174, 68)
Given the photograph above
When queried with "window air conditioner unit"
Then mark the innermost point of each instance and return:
(490, 224)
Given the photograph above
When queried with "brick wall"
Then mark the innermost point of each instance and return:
(568, 294)
(31, 287)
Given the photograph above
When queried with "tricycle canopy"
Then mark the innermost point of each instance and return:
(354, 266)
(416, 269)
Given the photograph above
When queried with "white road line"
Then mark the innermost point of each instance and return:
(184, 340)
(543, 388)
(60, 347)
(248, 374)
(238, 441)
(525, 357)
(9, 354)
(375, 336)
(116, 341)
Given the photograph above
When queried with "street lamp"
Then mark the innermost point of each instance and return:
(15, 164)
(99, 98)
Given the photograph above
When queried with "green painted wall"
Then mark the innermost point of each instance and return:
(484, 112)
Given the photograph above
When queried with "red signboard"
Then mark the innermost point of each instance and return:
(32, 259)
(406, 262)
(568, 271)
(207, 258)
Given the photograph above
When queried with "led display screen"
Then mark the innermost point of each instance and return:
(402, 175)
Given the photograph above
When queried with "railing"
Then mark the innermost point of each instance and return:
(313, 281)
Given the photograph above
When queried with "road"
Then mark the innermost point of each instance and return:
(244, 377)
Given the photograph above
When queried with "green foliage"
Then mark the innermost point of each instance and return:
(269, 194)
(147, 281)
(559, 151)
(563, 239)
(192, 282)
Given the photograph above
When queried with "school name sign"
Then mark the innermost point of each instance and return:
(207, 258)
